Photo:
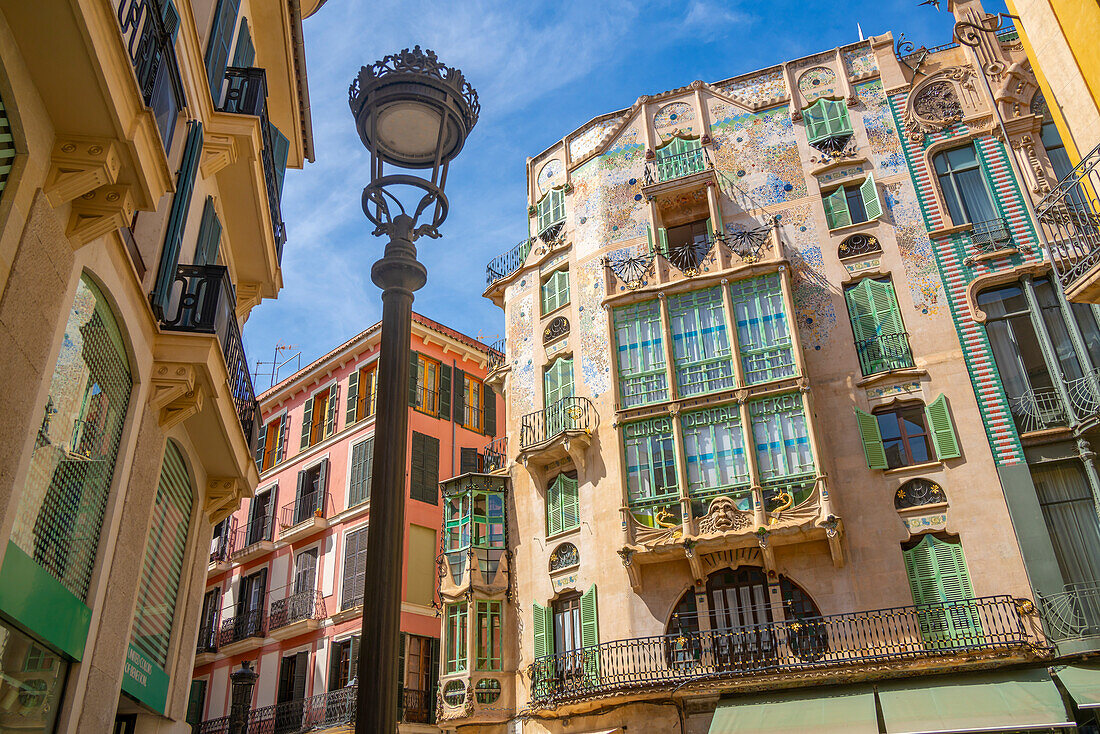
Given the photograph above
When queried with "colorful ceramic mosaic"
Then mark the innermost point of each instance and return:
(521, 348)
(859, 62)
(900, 388)
(677, 118)
(592, 327)
(758, 89)
(914, 246)
(819, 81)
(813, 302)
(551, 174)
(756, 157)
(863, 266)
(838, 173)
(882, 136)
(586, 142)
(607, 194)
(926, 523)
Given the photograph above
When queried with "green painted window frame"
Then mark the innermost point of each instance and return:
(457, 522)
(826, 118)
(679, 157)
(424, 468)
(555, 291)
(639, 342)
(700, 345)
(490, 629)
(360, 474)
(837, 213)
(562, 504)
(940, 583)
(715, 454)
(877, 326)
(781, 440)
(763, 329)
(551, 209)
(542, 627)
(650, 459)
(456, 655)
(487, 525)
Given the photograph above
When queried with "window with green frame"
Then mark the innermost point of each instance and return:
(563, 510)
(551, 209)
(782, 442)
(651, 481)
(489, 647)
(852, 204)
(940, 583)
(700, 345)
(487, 537)
(639, 340)
(555, 291)
(679, 157)
(763, 333)
(454, 628)
(714, 447)
(827, 125)
(456, 533)
(880, 338)
(938, 425)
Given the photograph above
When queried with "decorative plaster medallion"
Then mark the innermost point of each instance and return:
(926, 523)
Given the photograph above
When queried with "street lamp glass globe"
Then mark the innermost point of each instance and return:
(409, 129)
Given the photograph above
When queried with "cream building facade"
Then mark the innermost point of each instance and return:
(142, 156)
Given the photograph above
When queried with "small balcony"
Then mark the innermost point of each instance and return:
(253, 540)
(508, 263)
(1071, 618)
(1043, 409)
(149, 43)
(884, 353)
(495, 457)
(679, 165)
(562, 429)
(957, 634)
(1070, 218)
(304, 516)
(243, 632)
(990, 237)
(497, 365)
(296, 615)
(205, 303)
(206, 647)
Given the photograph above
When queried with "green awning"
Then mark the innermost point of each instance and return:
(1083, 684)
(848, 710)
(1014, 700)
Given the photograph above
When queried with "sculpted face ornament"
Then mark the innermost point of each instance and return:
(723, 516)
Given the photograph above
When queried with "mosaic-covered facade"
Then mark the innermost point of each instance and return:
(752, 401)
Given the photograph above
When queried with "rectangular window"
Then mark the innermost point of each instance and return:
(420, 564)
(345, 658)
(362, 466)
(852, 204)
(827, 119)
(271, 445)
(555, 291)
(362, 394)
(963, 186)
(310, 494)
(473, 417)
(427, 385)
(567, 625)
(261, 517)
(650, 462)
(355, 568)
(489, 646)
(782, 440)
(907, 435)
(639, 340)
(763, 334)
(700, 345)
(424, 469)
(714, 447)
(551, 209)
(455, 628)
(319, 416)
(880, 338)
(904, 436)
(1070, 516)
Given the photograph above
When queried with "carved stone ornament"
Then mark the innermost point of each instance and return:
(723, 516)
(936, 104)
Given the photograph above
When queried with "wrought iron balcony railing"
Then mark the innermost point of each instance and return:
(671, 167)
(1070, 218)
(883, 353)
(1084, 395)
(309, 505)
(246, 94)
(495, 455)
(1038, 410)
(221, 546)
(1073, 613)
(568, 414)
(250, 623)
(301, 606)
(496, 355)
(256, 531)
(208, 638)
(991, 235)
(507, 263)
(417, 707)
(881, 636)
(147, 35)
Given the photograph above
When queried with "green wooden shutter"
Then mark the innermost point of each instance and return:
(942, 429)
(307, 424)
(885, 304)
(590, 636)
(196, 701)
(244, 53)
(467, 461)
(334, 681)
(938, 577)
(414, 368)
(814, 116)
(330, 409)
(649, 238)
(401, 676)
(861, 312)
(416, 466)
(284, 434)
(210, 234)
(489, 401)
(217, 48)
(177, 218)
(869, 434)
(280, 149)
(445, 393)
(261, 441)
(543, 626)
(836, 209)
(570, 504)
(871, 203)
(353, 399)
(553, 506)
(836, 118)
(662, 240)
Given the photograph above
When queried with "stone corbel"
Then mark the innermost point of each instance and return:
(248, 297)
(694, 561)
(627, 557)
(79, 166)
(575, 446)
(175, 393)
(100, 212)
(832, 527)
(218, 151)
(536, 472)
(222, 498)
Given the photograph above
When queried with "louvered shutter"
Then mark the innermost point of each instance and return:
(414, 368)
(270, 528)
(305, 571)
(368, 469)
(416, 466)
(433, 676)
(353, 669)
(460, 397)
(871, 203)
(177, 218)
(924, 583)
(590, 636)
(431, 469)
(467, 461)
(836, 209)
(543, 626)
(836, 118)
(861, 311)
(649, 238)
(401, 642)
(942, 429)
(217, 48)
(489, 400)
(553, 506)
(815, 122)
(280, 149)
(570, 503)
(244, 53)
(662, 240)
(885, 304)
(353, 399)
(299, 496)
(261, 441)
(322, 486)
(869, 434)
(284, 433)
(334, 656)
(330, 412)
(196, 701)
(210, 233)
(307, 423)
(445, 393)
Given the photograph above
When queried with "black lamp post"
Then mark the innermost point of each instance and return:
(242, 680)
(412, 113)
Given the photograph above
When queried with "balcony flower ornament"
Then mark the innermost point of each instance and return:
(649, 154)
(532, 210)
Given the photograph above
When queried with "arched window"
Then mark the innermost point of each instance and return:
(918, 492)
(63, 503)
(564, 556)
(551, 209)
(858, 244)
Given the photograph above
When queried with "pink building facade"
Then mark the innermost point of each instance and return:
(285, 580)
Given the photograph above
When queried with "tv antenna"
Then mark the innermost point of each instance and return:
(278, 362)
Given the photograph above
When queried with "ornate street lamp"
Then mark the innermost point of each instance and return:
(242, 681)
(412, 113)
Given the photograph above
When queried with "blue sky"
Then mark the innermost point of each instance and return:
(541, 70)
